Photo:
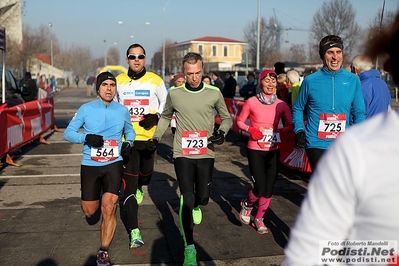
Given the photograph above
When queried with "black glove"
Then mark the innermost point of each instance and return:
(126, 148)
(149, 121)
(217, 138)
(94, 140)
(300, 139)
(152, 144)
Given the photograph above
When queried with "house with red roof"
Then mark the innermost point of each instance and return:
(219, 53)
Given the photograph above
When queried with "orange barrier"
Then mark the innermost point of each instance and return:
(23, 123)
(291, 156)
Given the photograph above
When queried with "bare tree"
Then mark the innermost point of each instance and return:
(113, 56)
(268, 41)
(297, 53)
(336, 17)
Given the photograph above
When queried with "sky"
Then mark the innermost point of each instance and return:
(100, 24)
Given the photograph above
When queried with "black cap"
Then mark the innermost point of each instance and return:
(102, 77)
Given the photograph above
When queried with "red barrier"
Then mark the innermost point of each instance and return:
(23, 123)
(291, 156)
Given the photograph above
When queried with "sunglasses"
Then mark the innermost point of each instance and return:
(134, 56)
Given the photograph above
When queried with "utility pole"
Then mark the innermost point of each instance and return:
(258, 39)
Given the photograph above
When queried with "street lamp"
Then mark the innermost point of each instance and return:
(163, 39)
(51, 48)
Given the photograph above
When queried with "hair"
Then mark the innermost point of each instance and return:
(386, 46)
(362, 63)
(134, 45)
(192, 58)
(206, 77)
(281, 78)
(251, 74)
(293, 76)
(216, 74)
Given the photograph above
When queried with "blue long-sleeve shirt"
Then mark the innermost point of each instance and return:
(327, 92)
(375, 92)
(109, 121)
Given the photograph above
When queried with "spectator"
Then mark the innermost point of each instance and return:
(77, 82)
(375, 91)
(44, 88)
(217, 82)
(350, 197)
(293, 84)
(282, 87)
(53, 84)
(67, 82)
(279, 68)
(29, 88)
(249, 88)
(178, 80)
(332, 96)
(103, 121)
(206, 79)
(230, 84)
(89, 83)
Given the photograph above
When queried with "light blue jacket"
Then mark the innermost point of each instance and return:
(327, 92)
(109, 121)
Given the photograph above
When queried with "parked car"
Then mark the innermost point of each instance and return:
(12, 91)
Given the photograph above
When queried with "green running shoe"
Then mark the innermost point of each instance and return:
(136, 240)
(139, 196)
(197, 215)
(190, 256)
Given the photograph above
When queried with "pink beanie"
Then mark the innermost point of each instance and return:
(264, 73)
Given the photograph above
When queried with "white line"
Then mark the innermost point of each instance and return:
(46, 155)
(22, 176)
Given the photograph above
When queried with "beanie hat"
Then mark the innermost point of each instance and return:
(178, 75)
(264, 73)
(102, 77)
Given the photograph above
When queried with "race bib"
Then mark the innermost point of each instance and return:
(194, 142)
(269, 139)
(108, 152)
(137, 108)
(331, 125)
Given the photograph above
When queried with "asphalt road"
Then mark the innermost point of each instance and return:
(41, 222)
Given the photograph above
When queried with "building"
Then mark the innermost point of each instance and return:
(219, 54)
(11, 19)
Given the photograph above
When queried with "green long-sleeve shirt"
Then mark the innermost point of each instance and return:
(195, 111)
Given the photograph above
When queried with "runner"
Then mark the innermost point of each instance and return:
(103, 122)
(264, 111)
(193, 145)
(144, 94)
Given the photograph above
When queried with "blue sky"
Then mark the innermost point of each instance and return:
(90, 22)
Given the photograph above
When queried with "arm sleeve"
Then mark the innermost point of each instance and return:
(164, 119)
(161, 93)
(358, 108)
(223, 113)
(242, 117)
(299, 107)
(130, 134)
(71, 133)
(329, 209)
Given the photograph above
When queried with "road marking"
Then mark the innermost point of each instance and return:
(46, 155)
(22, 176)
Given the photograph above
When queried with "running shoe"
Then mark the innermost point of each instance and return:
(102, 258)
(260, 226)
(245, 213)
(197, 215)
(136, 240)
(139, 196)
(190, 256)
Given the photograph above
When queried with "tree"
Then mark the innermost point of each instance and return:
(113, 56)
(336, 17)
(297, 53)
(267, 47)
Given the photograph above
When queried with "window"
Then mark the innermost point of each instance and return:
(225, 51)
(214, 50)
(200, 49)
